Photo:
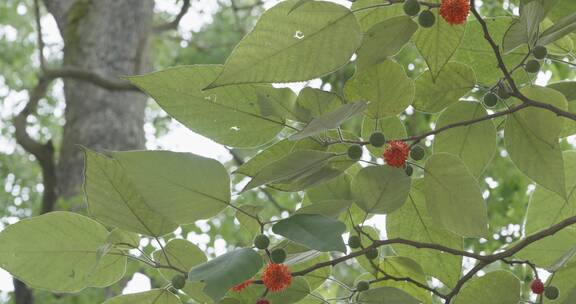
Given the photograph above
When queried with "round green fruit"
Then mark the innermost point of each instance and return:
(426, 19)
(532, 66)
(363, 286)
(377, 139)
(178, 281)
(551, 292)
(355, 152)
(411, 7)
(372, 253)
(503, 92)
(354, 242)
(540, 52)
(261, 241)
(278, 256)
(417, 153)
(490, 99)
(409, 170)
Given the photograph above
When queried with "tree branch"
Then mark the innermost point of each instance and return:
(172, 25)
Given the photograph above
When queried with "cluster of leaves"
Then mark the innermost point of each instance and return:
(432, 202)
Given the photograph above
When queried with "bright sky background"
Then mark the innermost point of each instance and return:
(178, 139)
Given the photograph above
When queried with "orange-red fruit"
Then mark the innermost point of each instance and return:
(276, 277)
(242, 286)
(396, 153)
(262, 301)
(537, 287)
(455, 11)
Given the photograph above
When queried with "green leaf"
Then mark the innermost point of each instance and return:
(335, 189)
(313, 230)
(330, 208)
(531, 138)
(293, 166)
(438, 43)
(412, 222)
(547, 251)
(525, 29)
(563, 279)
(474, 144)
(314, 40)
(386, 295)
(560, 29)
(247, 222)
(330, 120)
(385, 86)
(226, 271)
(123, 239)
(453, 196)
(114, 200)
(182, 187)
(60, 252)
(385, 39)
(568, 88)
(314, 103)
(497, 287)
(154, 296)
(369, 14)
(233, 116)
(453, 82)
(298, 290)
(392, 128)
(402, 267)
(380, 189)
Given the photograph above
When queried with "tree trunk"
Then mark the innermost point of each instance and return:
(109, 37)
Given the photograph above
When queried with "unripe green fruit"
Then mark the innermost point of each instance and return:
(532, 66)
(490, 99)
(372, 253)
(551, 292)
(178, 281)
(540, 52)
(363, 286)
(354, 242)
(426, 19)
(355, 152)
(417, 153)
(377, 139)
(503, 93)
(411, 7)
(409, 170)
(261, 241)
(278, 256)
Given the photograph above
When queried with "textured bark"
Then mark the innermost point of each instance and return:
(109, 37)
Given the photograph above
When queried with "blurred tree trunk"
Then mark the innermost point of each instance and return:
(109, 37)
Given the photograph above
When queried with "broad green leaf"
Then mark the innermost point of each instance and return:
(247, 222)
(335, 189)
(385, 39)
(386, 295)
(60, 252)
(330, 120)
(453, 82)
(314, 40)
(307, 259)
(114, 200)
(563, 279)
(380, 189)
(123, 239)
(182, 187)
(531, 138)
(413, 222)
(547, 251)
(232, 116)
(568, 88)
(474, 144)
(525, 29)
(226, 271)
(368, 14)
(385, 86)
(274, 153)
(183, 255)
(402, 267)
(314, 103)
(453, 196)
(369, 233)
(438, 43)
(560, 29)
(313, 230)
(330, 208)
(392, 128)
(477, 53)
(154, 296)
(293, 166)
(497, 287)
